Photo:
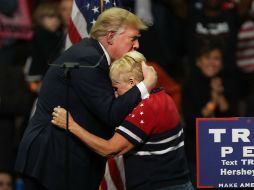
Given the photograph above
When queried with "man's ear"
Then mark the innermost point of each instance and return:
(110, 36)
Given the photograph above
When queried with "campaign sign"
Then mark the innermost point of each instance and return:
(225, 152)
(19, 26)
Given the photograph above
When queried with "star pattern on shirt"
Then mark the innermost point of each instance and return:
(137, 117)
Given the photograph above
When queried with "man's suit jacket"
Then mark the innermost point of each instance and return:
(91, 98)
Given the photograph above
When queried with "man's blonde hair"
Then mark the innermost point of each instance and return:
(114, 19)
(129, 65)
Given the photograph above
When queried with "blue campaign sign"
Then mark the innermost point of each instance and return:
(225, 152)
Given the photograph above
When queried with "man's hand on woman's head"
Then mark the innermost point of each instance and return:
(150, 76)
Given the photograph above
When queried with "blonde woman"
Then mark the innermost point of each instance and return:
(150, 137)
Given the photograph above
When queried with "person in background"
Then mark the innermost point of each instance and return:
(207, 94)
(214, 18)
(65, 8)
(13, 113)
(115, 32)
(15, 98)
(150, 138)
(218, 18)
(46, 43)
(6, 181)
(245, 61)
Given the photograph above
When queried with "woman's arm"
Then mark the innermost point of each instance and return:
(117, 145)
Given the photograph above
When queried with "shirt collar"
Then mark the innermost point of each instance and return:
(106, 53)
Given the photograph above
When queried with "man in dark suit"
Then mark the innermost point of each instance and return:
(42, 153)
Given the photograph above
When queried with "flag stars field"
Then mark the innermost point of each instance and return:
(88, 6)
(95, 9)
(93, 21)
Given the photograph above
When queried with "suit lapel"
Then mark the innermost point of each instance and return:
(103, 60)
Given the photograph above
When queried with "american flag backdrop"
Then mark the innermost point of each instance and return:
(84, 13)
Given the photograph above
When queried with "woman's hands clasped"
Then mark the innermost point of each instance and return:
(59, 118)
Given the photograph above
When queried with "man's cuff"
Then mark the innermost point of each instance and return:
(142, 88)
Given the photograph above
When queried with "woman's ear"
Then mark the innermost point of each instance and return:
(132, 81)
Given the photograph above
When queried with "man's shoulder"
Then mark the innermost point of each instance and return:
(87, 46)
(87, 51)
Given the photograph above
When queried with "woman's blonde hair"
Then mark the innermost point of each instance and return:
(113, 20)
(129, 65)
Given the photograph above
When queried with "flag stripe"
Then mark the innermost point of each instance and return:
(79, 21)
(103, 184)
(115, 174)
(120, 165)
(73, 33)
(108, 179)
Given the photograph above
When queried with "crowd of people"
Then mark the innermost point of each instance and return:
(200, 49)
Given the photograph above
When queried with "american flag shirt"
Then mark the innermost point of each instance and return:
(158, 159)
